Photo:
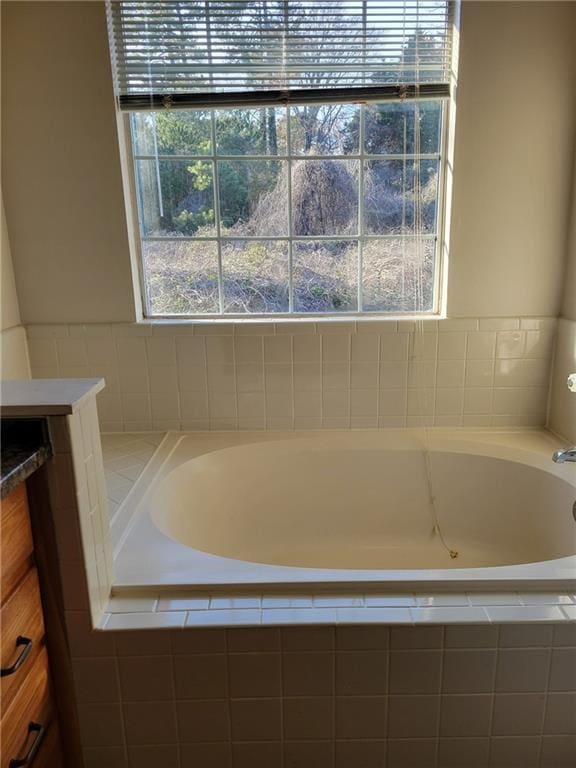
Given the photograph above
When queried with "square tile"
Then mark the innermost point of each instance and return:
(411, 753)
(256, 754)
(307, 673)
(146, 678)
(201, 676)
(468, 671)
(254, 675)
(256, 719)
(465, 715)
(560, 715)
(203, 721)
(364, 754)
(308, 718)
(517, 752)
(415, 671)
(413, 716)
(522, 670)
(215, 755)
(563, 670)
(361, 672)
(458, 752)
(149, 722)
(518, 714)
(360, 717)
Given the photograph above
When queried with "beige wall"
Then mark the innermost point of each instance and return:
(562, 416)
(569, 304)
(14, 363)
(9, 309)
(64, 200)
(61, 170)
(512, 178)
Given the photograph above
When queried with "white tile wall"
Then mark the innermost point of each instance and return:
(332, 697)
(125, 457)
(211, 610)
(307, 375)
(79, 507)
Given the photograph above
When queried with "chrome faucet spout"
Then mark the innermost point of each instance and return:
(568, 454)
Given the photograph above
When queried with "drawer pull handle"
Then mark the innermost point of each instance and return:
(39, 730)
(27, 643)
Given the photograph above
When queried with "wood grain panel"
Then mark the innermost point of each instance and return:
(31, 704)
(16, 546)
(20, 616)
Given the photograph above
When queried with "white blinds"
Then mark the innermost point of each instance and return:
(210, 52)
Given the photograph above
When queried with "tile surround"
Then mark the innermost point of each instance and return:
(437, 680)
(179, 609)
(307, 374)
(78, 502)
(125, 457)
(376, 697)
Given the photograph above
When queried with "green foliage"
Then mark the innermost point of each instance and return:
(188, 223)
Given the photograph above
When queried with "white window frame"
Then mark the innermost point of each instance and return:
(129, 159)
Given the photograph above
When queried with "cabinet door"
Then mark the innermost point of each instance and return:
(26, 723)
(21, 635)
(16, 546)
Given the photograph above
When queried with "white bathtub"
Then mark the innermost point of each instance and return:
(452, 509)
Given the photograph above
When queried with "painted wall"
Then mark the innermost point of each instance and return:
(569, 304)
(512, 178)
(510, 211)
(562, 416)
(61, 170)
(14, 363)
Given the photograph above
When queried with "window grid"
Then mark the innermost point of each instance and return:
(289, 157)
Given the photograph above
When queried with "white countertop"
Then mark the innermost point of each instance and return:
(46, 397)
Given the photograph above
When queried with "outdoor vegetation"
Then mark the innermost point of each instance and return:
(318, 209)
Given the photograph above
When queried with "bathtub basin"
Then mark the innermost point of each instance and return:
(452, 508)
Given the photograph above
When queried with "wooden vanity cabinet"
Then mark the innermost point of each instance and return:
(28, 724)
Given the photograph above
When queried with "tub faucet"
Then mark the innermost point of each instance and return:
(568, 454)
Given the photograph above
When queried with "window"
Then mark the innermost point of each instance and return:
(288, 156)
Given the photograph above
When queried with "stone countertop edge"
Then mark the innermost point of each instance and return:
(25, 463)
(46, 397)
(26, 447)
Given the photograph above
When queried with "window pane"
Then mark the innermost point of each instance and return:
(328, 129)
(391, 190)
(251, 131)
(181, 277)
(253, 197)
(255, 275)
(325, 276)
(390, 128)
(325, 197)
(176, 197)
(268, 221)
(398, 275)
(172, 132)
(143, 133)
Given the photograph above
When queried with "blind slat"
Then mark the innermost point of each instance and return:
(199, 52)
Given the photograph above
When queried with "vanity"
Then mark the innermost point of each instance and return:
(33, 690)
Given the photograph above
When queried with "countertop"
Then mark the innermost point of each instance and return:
(25, 447)
(46, 397)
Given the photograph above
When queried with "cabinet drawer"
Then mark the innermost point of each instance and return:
(32, 704)
(20, 620)
(16, 546)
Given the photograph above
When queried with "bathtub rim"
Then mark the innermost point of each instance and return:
(538, 444)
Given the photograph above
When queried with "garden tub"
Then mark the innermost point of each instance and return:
(384, 509)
